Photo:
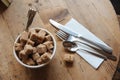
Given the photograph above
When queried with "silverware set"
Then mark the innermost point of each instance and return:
(70, 40)
(63, 28)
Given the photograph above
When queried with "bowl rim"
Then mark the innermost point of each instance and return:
(36, 66)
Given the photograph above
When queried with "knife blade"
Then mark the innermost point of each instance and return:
(105, 48)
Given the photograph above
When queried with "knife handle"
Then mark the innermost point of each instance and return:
(101, 46)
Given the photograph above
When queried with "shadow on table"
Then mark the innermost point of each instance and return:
(39, 73)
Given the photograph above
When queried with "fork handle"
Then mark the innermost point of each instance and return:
(101, 46)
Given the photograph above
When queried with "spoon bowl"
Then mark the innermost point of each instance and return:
(70, 46)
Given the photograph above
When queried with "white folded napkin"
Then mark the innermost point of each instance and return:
(94, 61)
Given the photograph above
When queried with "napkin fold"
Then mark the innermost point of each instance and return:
(75, 26)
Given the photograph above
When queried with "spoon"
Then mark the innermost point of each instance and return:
(30, 15)
(73, 47)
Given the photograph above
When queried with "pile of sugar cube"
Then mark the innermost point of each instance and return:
(34, 47)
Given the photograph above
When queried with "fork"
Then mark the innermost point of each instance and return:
(64, 36)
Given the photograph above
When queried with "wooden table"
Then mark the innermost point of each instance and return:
(97, 15)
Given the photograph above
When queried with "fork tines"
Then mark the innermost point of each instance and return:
(62, 35)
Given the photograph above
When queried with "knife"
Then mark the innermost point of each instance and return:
(105, 48)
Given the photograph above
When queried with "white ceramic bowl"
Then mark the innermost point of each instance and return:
(36, 66)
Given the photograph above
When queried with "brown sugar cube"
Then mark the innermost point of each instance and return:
(35, 56)
(69, 58)
(49, 44)
(34, 50)
(41, 48)
(24, 60)
(32, 31)
(28, 49)
(45, 57)
(51, 51)
(41, 35)
(22, 55)
(23, 43)
(37, 30)
(24, 37)
(39, 60)
(30, 42)
(33, 36)
(18, 47)
(48, 38)
(29, 61)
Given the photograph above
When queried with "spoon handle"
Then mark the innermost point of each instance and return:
(30, 15)
(108, 56)
(95, 54)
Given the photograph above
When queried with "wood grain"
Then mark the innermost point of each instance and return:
(117, 72)
(98, 16)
